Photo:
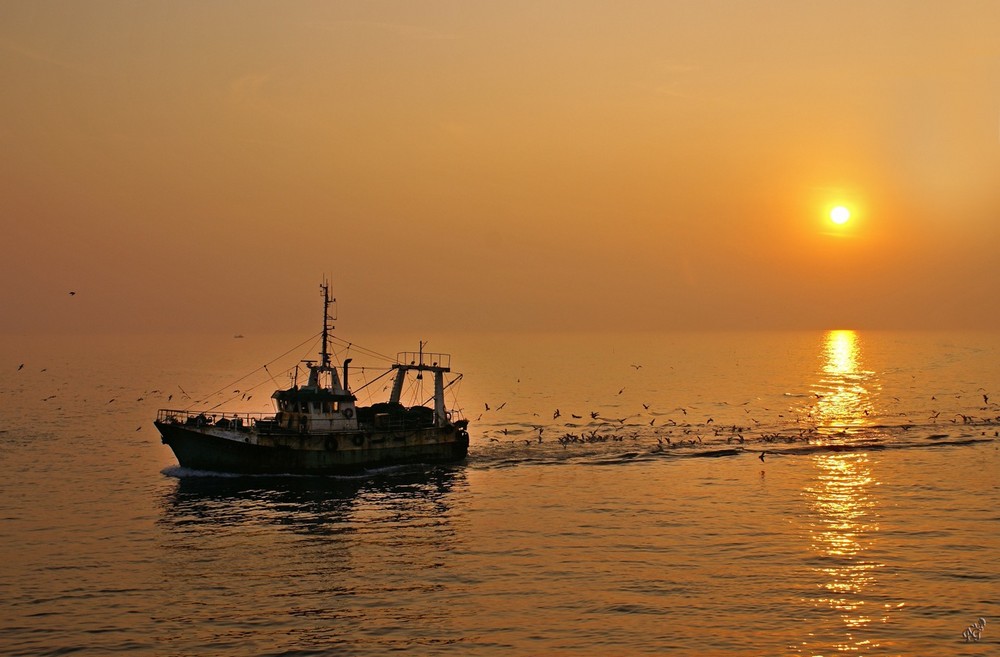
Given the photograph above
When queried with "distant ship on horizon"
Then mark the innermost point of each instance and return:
(319, 428)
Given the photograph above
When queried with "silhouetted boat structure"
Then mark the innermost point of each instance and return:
(319, 428)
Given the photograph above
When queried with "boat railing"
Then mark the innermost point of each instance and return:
(426, 359)
(206, 418)
(267, 421)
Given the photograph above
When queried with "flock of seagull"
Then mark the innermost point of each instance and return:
(658, 432)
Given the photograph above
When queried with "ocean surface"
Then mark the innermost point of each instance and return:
(814, 493)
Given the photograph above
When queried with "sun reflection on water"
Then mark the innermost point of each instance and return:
(843, 529)
(843, 523)
(844, 391)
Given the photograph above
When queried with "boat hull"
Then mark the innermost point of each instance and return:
(250, 452)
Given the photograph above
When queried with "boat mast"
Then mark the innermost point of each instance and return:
(325, 354)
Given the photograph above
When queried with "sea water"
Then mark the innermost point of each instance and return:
(811, 493)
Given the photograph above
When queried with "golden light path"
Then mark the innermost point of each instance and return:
(843, 393)
(843, 520)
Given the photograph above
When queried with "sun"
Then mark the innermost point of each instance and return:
(840, 215)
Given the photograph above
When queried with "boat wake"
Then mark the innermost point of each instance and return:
(615, 449)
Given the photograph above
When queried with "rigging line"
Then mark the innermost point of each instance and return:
(368, 393)
(314, 338)
(448, 385)
(273, 380)
(351, 345)
(318, 338)
(246, 390)
(414, 392)
(366, 351)
(383, 374)
(207, 397)
(338, 355)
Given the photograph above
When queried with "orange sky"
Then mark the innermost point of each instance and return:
(525, 165)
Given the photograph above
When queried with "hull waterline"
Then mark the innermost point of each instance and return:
(323, 454)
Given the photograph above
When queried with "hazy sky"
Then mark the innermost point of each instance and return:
(532, 165)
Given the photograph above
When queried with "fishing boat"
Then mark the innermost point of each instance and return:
(320, 429)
